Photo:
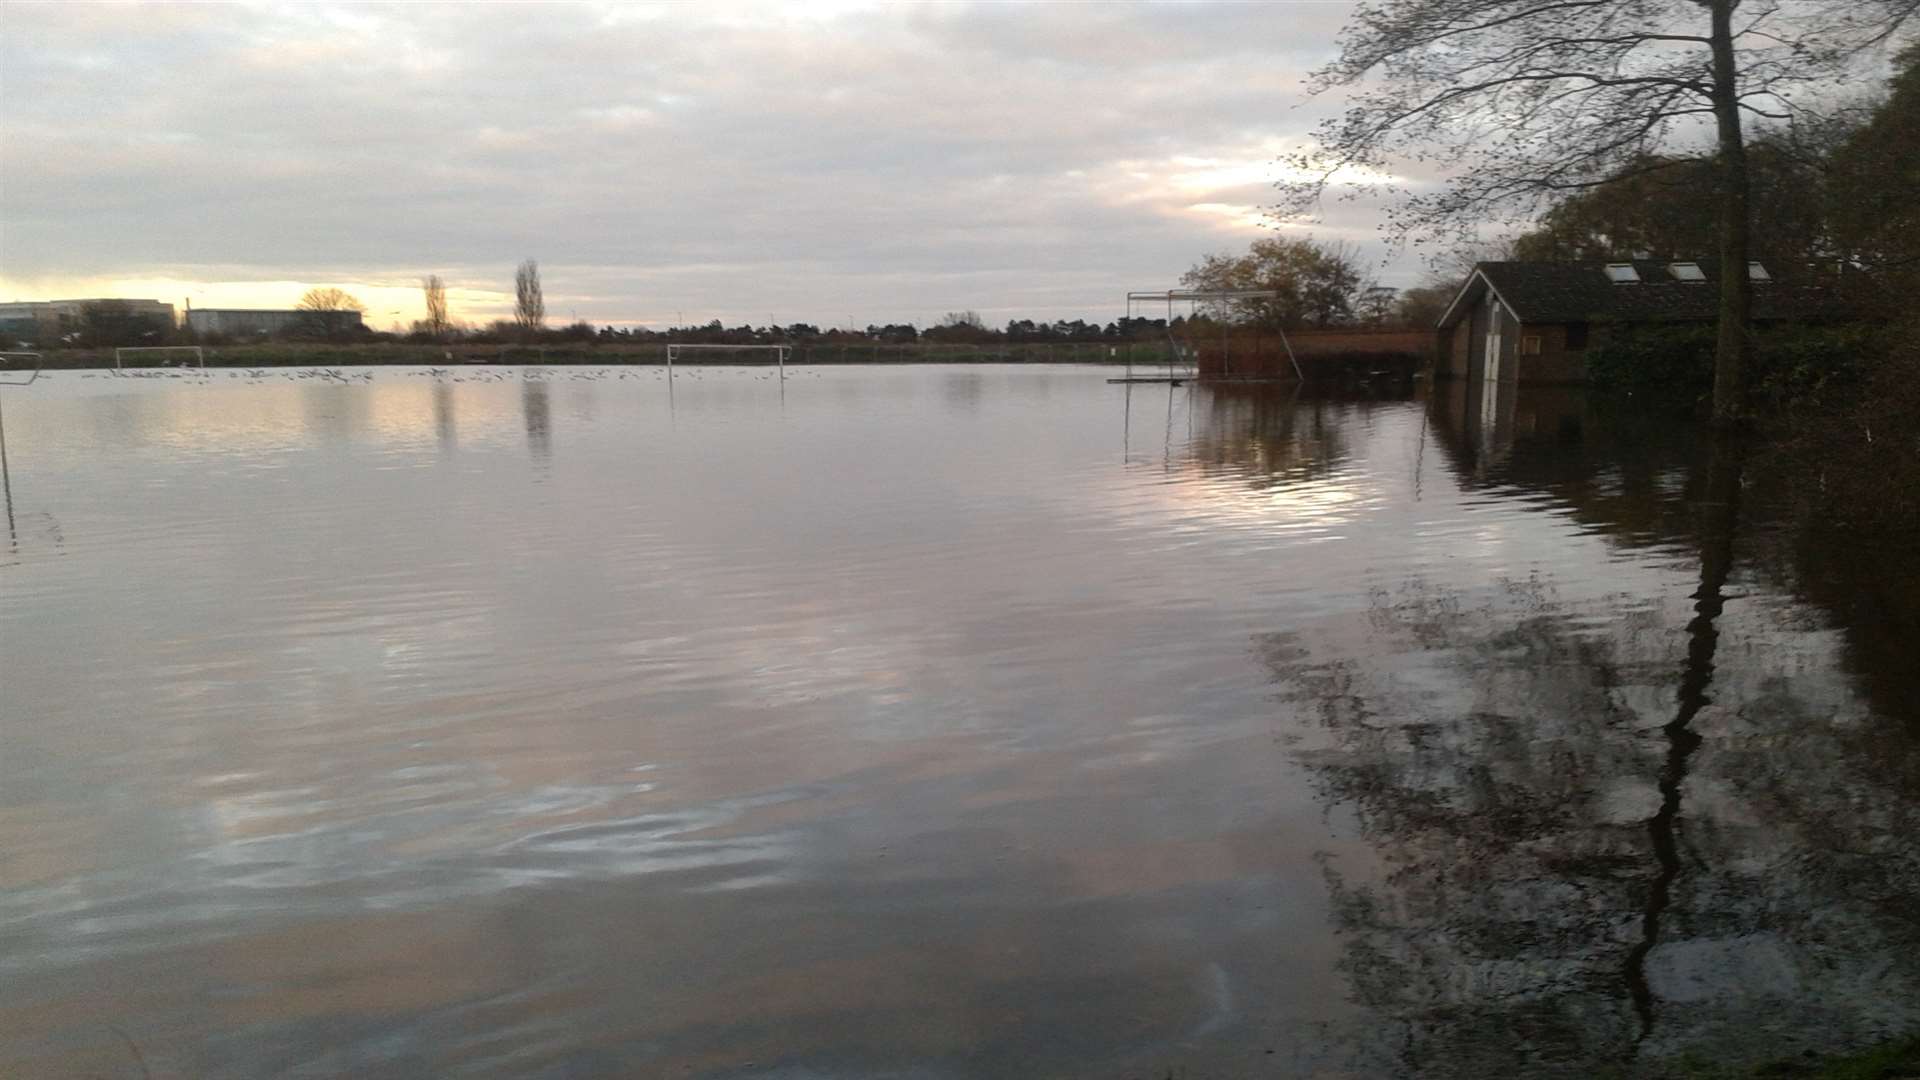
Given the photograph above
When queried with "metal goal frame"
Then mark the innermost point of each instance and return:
(1194, 298)
(199, 352)
(37, 359)
(780, 353)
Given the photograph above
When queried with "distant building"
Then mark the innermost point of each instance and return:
(48, 321)
(266, 322)
(1534, 321)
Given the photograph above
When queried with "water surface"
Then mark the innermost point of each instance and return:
(931, 722)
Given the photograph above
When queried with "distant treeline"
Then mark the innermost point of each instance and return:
(964, 330)
(840, 349)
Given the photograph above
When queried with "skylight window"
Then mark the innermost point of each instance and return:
(1622, 273)
(1756, 272)
(1687, 271)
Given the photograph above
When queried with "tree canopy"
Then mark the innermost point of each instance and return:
(1834, 199)
(1318, 285)
(328, 311)
(1518, 102)
(1875, 218)
(328, 299)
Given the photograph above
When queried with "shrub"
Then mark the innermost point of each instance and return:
(1793, 365)
(1673, 365)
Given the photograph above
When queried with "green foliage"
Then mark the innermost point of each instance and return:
(1827, 192)
(1793, 366)
(1318, 285)
(1876, 178)
(1853, 452)
(1895, 1060)
(1666, 207)
(1800, 366)
(108, 323)
(1671, 365)
(1420, 308)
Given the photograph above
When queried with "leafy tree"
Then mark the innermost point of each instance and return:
(1376, 304)
(1318, 285)
(1875, 190)
(960, 327)
(1420, 307)
(105, 323)
(1526, 100)
(1666, 207)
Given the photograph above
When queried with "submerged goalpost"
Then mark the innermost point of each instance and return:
(780, 353)
(199, 354)
(7, 358)
(1194, 298)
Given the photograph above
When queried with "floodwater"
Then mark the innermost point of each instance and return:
(923, 722)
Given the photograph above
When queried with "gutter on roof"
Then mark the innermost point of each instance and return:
(1481, 274)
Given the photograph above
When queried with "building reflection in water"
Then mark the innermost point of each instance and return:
(537, 410)
(333, 410)
(445, 418)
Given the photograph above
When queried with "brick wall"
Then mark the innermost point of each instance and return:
(1554, 363)
(1458, 354)
(1320, 352)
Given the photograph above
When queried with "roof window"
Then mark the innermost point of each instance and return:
(1756, 272)
(1686, 271)
(1622, 273)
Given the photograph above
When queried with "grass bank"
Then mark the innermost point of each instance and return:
(1896, 1060)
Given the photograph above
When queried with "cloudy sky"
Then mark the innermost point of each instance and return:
(823, 162)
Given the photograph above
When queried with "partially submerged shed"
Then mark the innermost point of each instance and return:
(1534, 321)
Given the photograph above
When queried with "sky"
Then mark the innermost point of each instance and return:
(832, 163)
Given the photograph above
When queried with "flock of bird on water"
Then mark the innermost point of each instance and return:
(462, 375)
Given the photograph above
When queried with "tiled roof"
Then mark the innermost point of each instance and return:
(1556, 292)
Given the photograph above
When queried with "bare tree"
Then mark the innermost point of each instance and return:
(1524, 100)
(529, 304)
(435, 292)
(330, 312)
(1375, 304)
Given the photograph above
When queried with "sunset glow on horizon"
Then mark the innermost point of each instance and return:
(745, 163)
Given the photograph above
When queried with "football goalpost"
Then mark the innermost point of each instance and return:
(539, 353)
(780, 353)
(199, 354)
(1194, 298)
(12, 375)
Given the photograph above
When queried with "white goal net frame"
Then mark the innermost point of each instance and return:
(1194, 298)
(199, 352)
(538, 352)
(780, 353)
(10, 376)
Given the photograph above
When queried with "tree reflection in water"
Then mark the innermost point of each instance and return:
(1606, 832)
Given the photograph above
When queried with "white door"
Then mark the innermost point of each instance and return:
(1490, 380)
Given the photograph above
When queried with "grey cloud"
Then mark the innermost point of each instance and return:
(754, 160)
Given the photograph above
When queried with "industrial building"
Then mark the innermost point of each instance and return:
(266, 322)
(48, 321)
